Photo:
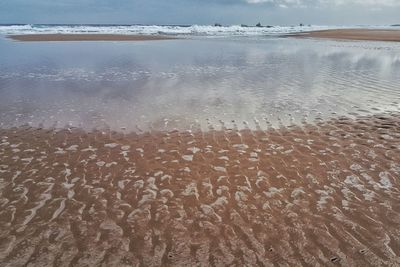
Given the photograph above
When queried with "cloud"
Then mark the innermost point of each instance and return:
(373, 3)
(268, 12)
(327, 3)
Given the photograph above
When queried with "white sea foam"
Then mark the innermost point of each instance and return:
(194, 30)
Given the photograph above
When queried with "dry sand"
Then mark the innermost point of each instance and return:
(354, 34)
(316, 195)
(86, 37)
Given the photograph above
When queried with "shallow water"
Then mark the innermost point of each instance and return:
(191, 84)
(286, 153)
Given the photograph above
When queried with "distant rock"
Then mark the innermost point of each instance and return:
(258, 25)
(395, 25)
(217, 25)
(244, 25)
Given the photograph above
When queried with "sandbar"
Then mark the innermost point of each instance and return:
(86, 37)
(354, 34)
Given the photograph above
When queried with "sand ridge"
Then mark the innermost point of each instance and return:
(320, 195)
(86, 37)
(354, 34)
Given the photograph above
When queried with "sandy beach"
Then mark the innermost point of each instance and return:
(200, 152)
(354, 34)
(86, 37)
(340, 34)
(324, 194)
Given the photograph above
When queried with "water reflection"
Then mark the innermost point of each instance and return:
(195, 83)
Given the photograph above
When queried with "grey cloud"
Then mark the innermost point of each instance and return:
(282, 12)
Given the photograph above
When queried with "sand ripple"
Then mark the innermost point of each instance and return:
(317, 195)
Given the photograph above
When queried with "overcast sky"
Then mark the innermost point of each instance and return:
(274, 12)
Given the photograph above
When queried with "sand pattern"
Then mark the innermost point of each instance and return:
(312, 195)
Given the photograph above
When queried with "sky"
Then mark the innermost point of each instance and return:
(268, 12)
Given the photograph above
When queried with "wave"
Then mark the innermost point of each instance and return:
(191, 30)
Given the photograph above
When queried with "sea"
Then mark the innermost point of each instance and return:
(181, 30)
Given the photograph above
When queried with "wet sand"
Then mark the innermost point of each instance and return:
(311, 195)
(86, 37)
(354, 34)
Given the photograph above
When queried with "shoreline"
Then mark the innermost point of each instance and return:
(389, 35)
(352, 34)
(86, 37)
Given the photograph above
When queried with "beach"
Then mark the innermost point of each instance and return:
(355, 34)
(324, 194)
(199, 151)
(387, 35)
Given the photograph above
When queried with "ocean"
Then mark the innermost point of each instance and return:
(182, 30)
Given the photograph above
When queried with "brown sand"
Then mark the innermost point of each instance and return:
(86, 37)
(354, 34)
(317, 195)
